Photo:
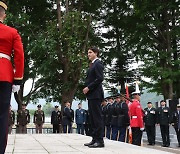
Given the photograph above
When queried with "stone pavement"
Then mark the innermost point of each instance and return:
(68, 144)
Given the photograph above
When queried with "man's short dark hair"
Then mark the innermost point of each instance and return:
(95, 50)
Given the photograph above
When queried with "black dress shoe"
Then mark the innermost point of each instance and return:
(90, 143)
(96, 145)
(163, 145)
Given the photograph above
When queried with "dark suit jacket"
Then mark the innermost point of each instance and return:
(164, 116)
(175, 119)
(150, 117)
(94, 81)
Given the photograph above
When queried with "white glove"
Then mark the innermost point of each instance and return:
(128, 127)
(141, 129)
(15, 88)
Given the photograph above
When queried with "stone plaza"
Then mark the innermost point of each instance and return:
(70, 144)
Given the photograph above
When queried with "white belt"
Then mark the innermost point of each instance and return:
(134, 117)
(2, 55)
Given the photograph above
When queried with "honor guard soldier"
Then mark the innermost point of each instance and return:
(80, 119)
(56, 119)
(104, 113)
(114, 120)
(87, 125)
(150, 120)
(109, 117)
(10, 75)
(176, 122)
(23, 118)
(123, 118)
(164, 120)
(136, 119)
(39, 119)
(11, 119)
(68, 118)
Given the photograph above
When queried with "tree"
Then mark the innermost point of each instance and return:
(29, 17)
(118, 54)
(154, 39)
(62, 52)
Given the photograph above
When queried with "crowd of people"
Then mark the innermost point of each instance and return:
(119, 120)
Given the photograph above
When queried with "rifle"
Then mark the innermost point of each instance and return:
(126, 97)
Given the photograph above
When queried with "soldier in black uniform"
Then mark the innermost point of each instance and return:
(114, 119)
(39, 119)
(68, 118)
(87, 125)
(164, 120)
(123, 118)
(11, 119)
(23, 118)
(56, 119)
(176, 122)
(109, 117)
(150, 119)
(104, 113)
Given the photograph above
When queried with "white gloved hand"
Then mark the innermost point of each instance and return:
(15, 88)
(128, 127)
(141, 129)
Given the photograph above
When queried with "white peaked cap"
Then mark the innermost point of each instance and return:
(137, 91)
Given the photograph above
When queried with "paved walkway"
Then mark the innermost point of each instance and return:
(68, 144)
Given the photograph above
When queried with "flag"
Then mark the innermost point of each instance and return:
(127, 93)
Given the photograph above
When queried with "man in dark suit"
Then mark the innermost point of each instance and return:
(164, 120)
(95, 95)
(150, 117)
(176, 122)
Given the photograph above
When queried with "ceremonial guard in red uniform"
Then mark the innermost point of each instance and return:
(136, 119)
(10, 77)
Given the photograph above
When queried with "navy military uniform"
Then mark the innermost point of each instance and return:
(108, 120)
(164, 119)
(176, 122)
(123, 120)
(87, 125)
(114, 121)
(104, 117)
(11, 120)
(68, 118)
(150, 119)
(80, 120)
(23, 118)
(56, 119)
(39, 119)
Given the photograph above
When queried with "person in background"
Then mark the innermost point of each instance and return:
(68, 118)
(164, 120)
(11, 75)
(123, 118)
(80, 119)
(56, 119)
(176, 122)
(150, 120)
(23, 118)
(11, 119)
(39, 119)
(136, 119)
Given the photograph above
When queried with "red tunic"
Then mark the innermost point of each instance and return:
(136, 115)
(11, 44)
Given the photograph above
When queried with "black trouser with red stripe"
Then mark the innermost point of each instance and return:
(5, 97)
